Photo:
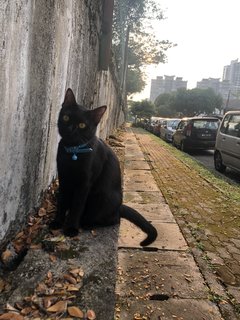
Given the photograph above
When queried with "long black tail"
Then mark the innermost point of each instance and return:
(135, 217)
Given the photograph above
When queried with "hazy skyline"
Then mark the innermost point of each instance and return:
(206, 34)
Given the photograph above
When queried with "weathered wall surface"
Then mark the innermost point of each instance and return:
(46, 46)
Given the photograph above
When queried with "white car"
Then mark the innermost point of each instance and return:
(227, 147)
(168, 128)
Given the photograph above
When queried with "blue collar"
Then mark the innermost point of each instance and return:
(82, 148)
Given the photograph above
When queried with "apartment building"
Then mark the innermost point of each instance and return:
(165, 84)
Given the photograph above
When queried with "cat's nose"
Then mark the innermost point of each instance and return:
(72, 128)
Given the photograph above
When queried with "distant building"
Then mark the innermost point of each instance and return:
(213, 83)
(231, 73)
(219, 87)
(165, 84)
(229, 87)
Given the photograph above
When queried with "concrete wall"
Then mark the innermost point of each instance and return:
(46, 46)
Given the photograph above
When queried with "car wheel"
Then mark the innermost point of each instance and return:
(218, 164)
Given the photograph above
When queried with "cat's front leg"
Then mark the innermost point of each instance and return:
(73, 218)
(63, 205)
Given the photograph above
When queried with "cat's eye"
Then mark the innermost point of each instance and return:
(65, 118)
(82, 125)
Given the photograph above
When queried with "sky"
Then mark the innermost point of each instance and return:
(207, 36)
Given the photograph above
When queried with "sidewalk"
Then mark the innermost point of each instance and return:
(191, 271)
(163, 281)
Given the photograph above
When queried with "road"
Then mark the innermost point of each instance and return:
(206, 158)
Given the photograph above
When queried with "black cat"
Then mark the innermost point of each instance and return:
(90, 190)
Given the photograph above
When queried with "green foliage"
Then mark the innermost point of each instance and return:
(135, 81)
(134, 42)
(142, 109)
(164, 105)
(189, 103)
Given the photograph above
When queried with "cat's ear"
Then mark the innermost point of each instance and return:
(97, 114)
(69, 99)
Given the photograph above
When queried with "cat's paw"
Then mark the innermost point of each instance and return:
(70, 232)
(55, 225)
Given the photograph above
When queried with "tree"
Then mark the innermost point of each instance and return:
(142, 109)
(164, 105)
(134, 43)
(188, 103)
(135, 81)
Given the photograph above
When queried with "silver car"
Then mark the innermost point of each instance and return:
(227, 147)
(168, 128)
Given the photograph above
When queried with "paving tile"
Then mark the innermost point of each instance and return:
(172, 309)
(169, 236)
(139, 180)
(134, 156)
(154, 211)
(168, 273)
(136, 164)
(141, 197)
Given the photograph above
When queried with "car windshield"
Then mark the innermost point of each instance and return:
(173, 123)
(206, 124)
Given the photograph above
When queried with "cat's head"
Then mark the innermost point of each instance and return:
(76, 124)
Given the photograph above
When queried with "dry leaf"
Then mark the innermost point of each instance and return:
(75, 272)
(53, 258)
(10, 308)
(69, 279)
(26, 311)
(91, 315)
(6, 256)
(94, 233)
(19, 235)
(58, 285)
(47, 302)
(41, 288)
(11, 316)
(60, 238)
(72, 288)
(60, 306)
(75, 312)
(36, 246)
(56, 232)
(42, 212)
(2, 285)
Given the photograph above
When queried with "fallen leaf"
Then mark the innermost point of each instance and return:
(36, 246)
(52, 258)
(8, 307)
(60, 238)
(75, 272)
(2, 285)
(6, 256)
(75, 312)
(72, 288)
(70, 279)
(91, 315)
(42, 212)
(11, 316)
(26, 311)
(60, 306)
(47, 302)
(41, 288)
(19, 235)
(94, 233)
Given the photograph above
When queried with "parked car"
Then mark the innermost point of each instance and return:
(153, 124)
(167, 128)
(196, 133)
(227, 147)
